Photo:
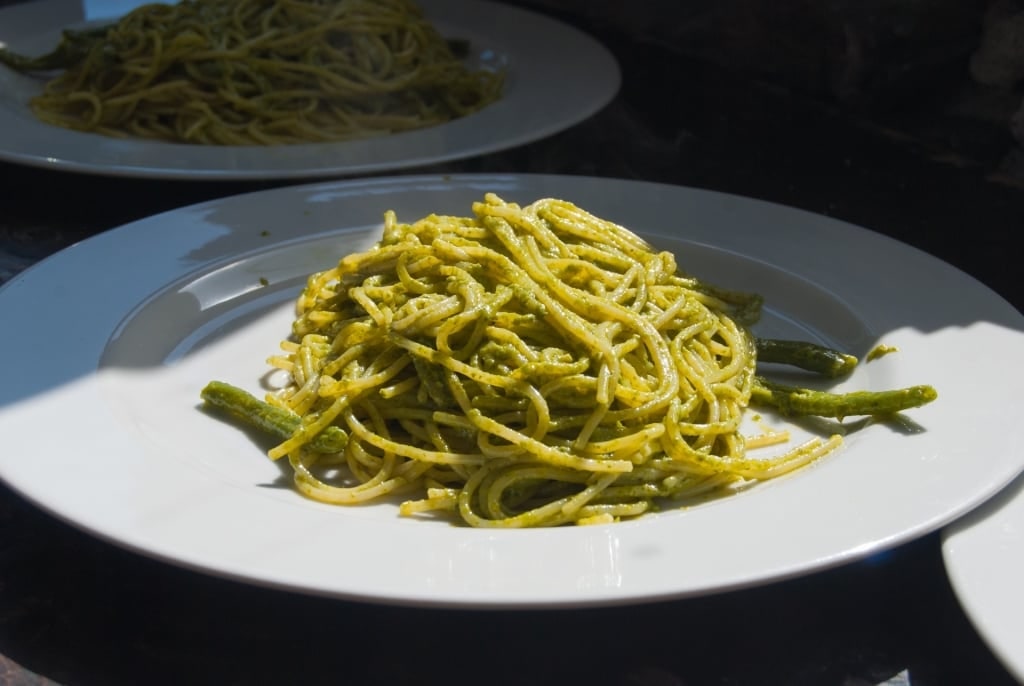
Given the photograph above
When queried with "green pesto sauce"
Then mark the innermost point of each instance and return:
(879, 351)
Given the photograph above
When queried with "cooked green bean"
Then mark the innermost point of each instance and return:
(793, 401)
(805, 355)
(264, 416)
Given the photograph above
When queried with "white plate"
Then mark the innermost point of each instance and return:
(110, 341)
(984, 556)
(557, 76)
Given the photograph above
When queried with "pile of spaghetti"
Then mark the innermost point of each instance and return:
(263, 72)
(526, 366)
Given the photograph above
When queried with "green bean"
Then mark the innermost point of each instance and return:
(793, 401)
(805, 355)
(268, 418)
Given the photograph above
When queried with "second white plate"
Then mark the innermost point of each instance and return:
(984, 556)
(557, 76)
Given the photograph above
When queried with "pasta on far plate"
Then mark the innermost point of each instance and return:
(259, 72)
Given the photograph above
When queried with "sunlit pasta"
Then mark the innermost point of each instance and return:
(524, 366)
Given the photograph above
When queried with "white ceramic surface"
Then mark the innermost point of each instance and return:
(984, 556)
(111, 340)
(557, 76)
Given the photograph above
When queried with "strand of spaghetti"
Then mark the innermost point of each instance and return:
(313, 487)
(364, 463)
(542, 451)
(533, 447)
(626, 444)
(592, 229)
(569, 323)
(554, 296)
(437, 357)
(555, 512)
(609, 311)
(353, 389)
(359, 430)
(800, 456)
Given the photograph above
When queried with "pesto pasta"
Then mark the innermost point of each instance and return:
(524, 366)
(259, 72)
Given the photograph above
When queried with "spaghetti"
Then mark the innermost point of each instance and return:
(526, 366)
(265, 72)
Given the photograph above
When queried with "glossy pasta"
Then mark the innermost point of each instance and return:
(524, 366)
(264, 72)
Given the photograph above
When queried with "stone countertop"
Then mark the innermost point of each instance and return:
(77, 610)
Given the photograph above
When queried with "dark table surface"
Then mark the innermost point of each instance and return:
(77, 610)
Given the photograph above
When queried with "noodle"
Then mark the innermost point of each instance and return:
(265, 72)
(527, 366)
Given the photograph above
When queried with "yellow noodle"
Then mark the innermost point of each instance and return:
(266, 72)
(476, 363)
